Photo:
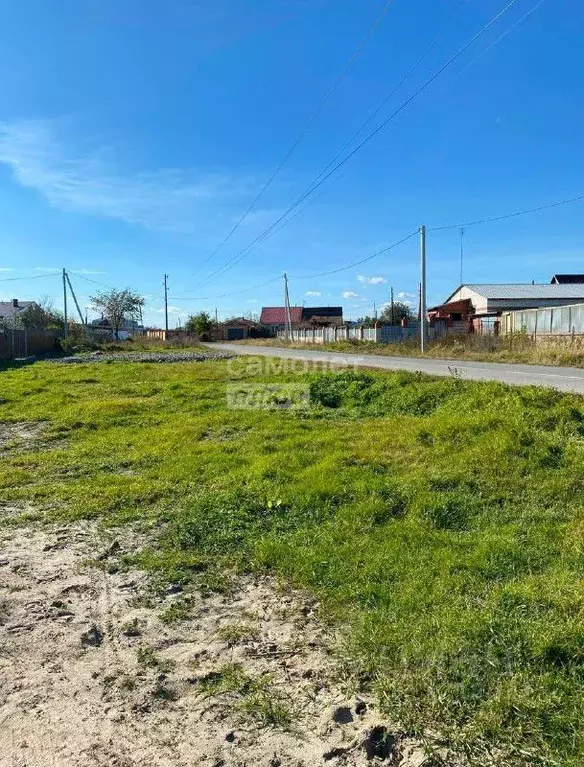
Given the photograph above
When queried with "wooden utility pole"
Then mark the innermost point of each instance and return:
(65, 303)
(423, 289)
(165, 306)
(392, 308)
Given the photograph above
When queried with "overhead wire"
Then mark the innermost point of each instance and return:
(515, 214)
(301, 135)
(225, 295)
(33, 277)
(507, 32)
(245, 251)
(360, 261)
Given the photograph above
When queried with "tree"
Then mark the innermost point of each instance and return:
(116, 304)
(41, 315)
(400, 310)
(201, 324)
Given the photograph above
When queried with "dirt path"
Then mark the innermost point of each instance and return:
(91, 675)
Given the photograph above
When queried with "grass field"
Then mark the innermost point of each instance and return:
(440, 521)
(518, 348)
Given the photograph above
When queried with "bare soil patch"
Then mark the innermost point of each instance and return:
(93, 673)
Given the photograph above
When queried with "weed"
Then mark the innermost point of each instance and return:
(236, 633)
(177, 611)
(147, 658)
(264, 709)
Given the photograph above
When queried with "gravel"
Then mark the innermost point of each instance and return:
(143, 357)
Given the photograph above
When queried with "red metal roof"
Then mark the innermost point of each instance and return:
(276, 315)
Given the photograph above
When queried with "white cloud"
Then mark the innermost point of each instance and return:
(6, 269)
(252, 301)
(172, 310)
(371, 280)
(168, 200)
(350, 294)
(312, 293)
(403, 295)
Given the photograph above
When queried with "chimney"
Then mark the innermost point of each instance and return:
(15, 303)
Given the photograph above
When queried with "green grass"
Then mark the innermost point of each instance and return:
(440, 520)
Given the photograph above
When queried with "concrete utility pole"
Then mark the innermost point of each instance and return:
(461, 251)
(392, 308)
(75, 300)
(65, 303)
(165, 305)
(423, 289)
(287, 317)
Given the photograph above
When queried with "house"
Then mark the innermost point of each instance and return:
(322, 315)
(273, 318)
(127, 328)
(236, 329)
(568, 279)
(9, 310)
(477, 306)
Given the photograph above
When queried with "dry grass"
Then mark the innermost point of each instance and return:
(562, 351)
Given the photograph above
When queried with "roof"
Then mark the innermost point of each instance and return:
(7, 308)
(321, 311)
(568, 279)
(276, 315)
(525, 290)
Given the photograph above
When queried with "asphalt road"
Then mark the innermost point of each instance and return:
(564, 379)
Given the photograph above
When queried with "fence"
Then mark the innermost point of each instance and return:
(382, 334)
(24, 343)
(549, 321)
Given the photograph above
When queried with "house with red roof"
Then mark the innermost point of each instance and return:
(273, 318)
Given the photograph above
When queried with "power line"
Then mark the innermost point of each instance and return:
(33, 277)
(88, 279)
(492, 219)
(501, 37)
(304, 276)
(301, 135)
(224, 295)
(243, 253)
(360, 261)
(385, 100)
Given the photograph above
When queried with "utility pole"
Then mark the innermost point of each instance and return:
(374, 310)
(216, 317)
(65, 303)
(75, 299)
(461, 251)
(287, 317)
(165, 306)
(392, 307)
(423, 289)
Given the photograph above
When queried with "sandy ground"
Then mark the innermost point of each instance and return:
(91, 675)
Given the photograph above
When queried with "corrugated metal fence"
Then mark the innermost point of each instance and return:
(551, 321)
(24, 343)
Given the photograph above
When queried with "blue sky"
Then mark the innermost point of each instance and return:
(134, 134)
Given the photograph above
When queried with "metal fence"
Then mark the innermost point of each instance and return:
(24, 343)
(549, 321)
(382, 334)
